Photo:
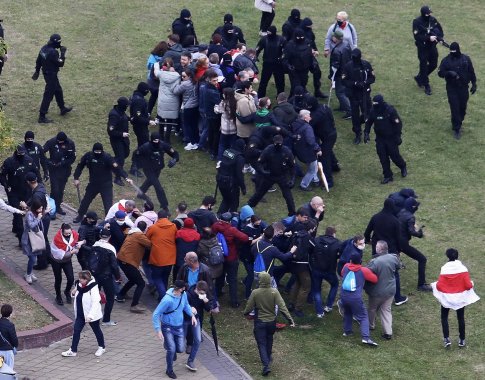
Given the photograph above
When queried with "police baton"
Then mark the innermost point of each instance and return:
(332, 86)
(140, 194)
(78, 194)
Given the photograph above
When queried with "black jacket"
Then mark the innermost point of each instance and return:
(285, 113)
(7, 329)
(35, 151)
(326, 254)
(202, 218)
(49, 60)
(298, 56)
(289, 27)
(322, 122)
(231, 167)
(386, 121)
(269, 253)
(277, 162)
(60, 155)
(230, 40)
(204, 274)
(462, 66)
(408, 225)
(13, 171)
(423, 29)
(100, 168)
(183, 28)
(358, 78)
(117, 125)
(139, 115)
(200, 305)
(242, 62)
(149, 156)
(273, 48)
(339, 56)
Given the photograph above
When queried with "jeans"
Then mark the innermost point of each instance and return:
(58, 268)
(160, 277)
(31, 263)
(196, 338)
(460, 315)
(263, 333)
(78, 327)
(354, 307)
(109, 290)
(398, 297)
(299, 293)
(225, 142)
(230, 270)
(173, 342)
(340, 93)
(310, 175)
(204, 130)
(134, 278)
(189, 125)
(317, 278)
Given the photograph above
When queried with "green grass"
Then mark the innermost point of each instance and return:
(108, 43)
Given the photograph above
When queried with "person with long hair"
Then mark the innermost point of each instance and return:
(227, 109)
(87, 308)
(156, 55)
(33, 222)
(190, 108)
(64, 246)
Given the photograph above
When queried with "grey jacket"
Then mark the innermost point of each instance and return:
(188, 90)
(384, 266)
(168, 103)
(31, 224)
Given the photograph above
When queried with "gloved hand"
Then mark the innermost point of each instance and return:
(63, 50)
(366, 138)
(474, 88)
(172, 162)
(420, 233)
(291, 68)
(35, 76)
(451, 74)
(46, 177)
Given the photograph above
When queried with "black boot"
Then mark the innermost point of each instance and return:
(44, 120)
(357, 139)
(65, 110)
(118, 181)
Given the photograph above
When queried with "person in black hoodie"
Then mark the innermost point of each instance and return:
(8, 338)
(293, 22)
(298, 60)
(284, 111)
(231, 34)
(184, 27)
(273, 45)
(408, 229)
(307, 27)
(298, 100)
(89, 232)
(323, 264)
(339, 56)
(119, 136)
(204, 216)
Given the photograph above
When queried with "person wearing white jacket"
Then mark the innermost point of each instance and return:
(87, 308)
(267, 8)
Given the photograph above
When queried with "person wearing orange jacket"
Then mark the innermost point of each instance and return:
(163, 252)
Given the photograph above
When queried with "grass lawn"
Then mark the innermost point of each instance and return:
(108, 43)
(27, 314)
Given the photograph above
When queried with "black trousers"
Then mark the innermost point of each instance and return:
(153, 99)
(14, 198)
(460, 315)
(265, 185)
(52, 89)
(266, 20)
(428, 61)
(230, 273)
(389, 150)
(360, 107)
(93, 189)
(152, 179)
(298, 78)
(317, 76)
(230, 194)
(59, 177)
(328, 156)
(106, 283)
(57, 269)
(263, 333)
(458, 100)
(142, 135)
(134, 278)
(420, 258)
(214, 135)
(121, 150)
(166, 126)
(269, 69)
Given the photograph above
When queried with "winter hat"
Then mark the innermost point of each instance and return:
(123, 102)
(306, 22)
(55, 38)
(185, 13)
(29, 135)
(298, 34)
(105, 233)
(455, 47)
(379, 99)
(61, 136)
(278, 139)
(411, 204)
(311, 102)
(30, 177)
(226, 217)
(189, 223)
(143, 88)
(92, 215)
(338, 34)
(425, 10)
(272, 29)
(238, 145)
(155, 136)
(299, 90)
(356, 258)
(20, 149)
(120, 214)
(295, 14)
(97, 146)
(408, 193)
(228, 18)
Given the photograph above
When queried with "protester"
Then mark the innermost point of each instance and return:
(8, 336)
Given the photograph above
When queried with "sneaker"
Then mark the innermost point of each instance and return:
(190, 366)
(461, 343)
(327, 309)
(425, 288)
(188, 349)
(66, 110)
(189, 146)
(340, 308)
(272, 189)
(320, 315)
(356, 320)
(348, 333)
(59, 300)
(386, 336)
(137, 309)
(427, 89)
(218, 164)
(28, 278)
(109, 323)
(369, 342)
(34, 277)
(69, 353)
(171, 374)
(120, 299)
(447, 342)
(100, 351)
(401, 301)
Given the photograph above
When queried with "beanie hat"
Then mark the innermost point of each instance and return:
(378, 99)
(188, 223)
(228, 18)
(311, 102)
(272, 29)
(338, 34)
(30, 177)
(20, 149)
(356, 258)
(55, 38)
(92, 215)
(226, 217)
(61, 136)
(238, 145)
(120, 214)
(295, 13)
(306, 22)
(278, 139)
(97, 146)
(299, 33)
(105, 233)
(143, 88)
(29, 135)
(411, 204)
(185, 13)
(155, 136)
(227, 59)
(123, 102)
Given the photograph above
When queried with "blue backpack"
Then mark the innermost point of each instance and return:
(222, 242)
(259, 266)
(349, 283)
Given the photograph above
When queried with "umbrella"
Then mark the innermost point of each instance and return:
(214, 332)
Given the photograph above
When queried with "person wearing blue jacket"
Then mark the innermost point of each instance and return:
(168, 322)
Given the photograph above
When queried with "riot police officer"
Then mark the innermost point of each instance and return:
(387, 127)
(119, 137)
(358, 76)
(184, 27)
(457, 69)
(36, 152)
(427, 33)
(150, 158)
(12, 177)
(62, 154)
(307, 27)
(100, 165)
(277, 165)
(49, 60)
(230, 177)
(140, 119)
(298, 58)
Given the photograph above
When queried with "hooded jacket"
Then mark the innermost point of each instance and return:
(149, 217)
(168, 103)
(186, 240)
(306, 146)
(245, 107)
(362, 274)
(179, 305)
(162, 235)
(233, 236)
(91, 301)
(202, 218)
(133, 248)
(264, 299)
(285, 113)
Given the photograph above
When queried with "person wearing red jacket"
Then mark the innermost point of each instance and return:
(186, 240)
(231, 263)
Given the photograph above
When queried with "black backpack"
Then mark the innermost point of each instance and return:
(216, 255)
(98, 260)
(302, 240)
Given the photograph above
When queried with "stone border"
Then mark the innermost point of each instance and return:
(44, 336)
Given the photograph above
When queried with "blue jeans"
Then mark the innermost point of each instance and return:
(317, 278)
(204, 130)
(341, 93)
(160, 279)
(196, 338)
(173, 342)
(31, 263)
(310, 175)
(189, 125)
(263, 333)
(8, 357)
(225, 142)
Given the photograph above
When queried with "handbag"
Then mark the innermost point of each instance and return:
(37, 240)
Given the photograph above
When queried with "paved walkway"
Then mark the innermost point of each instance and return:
(133, 351)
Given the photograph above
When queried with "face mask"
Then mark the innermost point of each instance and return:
(278, 146)
(67, 237)
(120, 222)
(202, 296)
(98, 154)
(340, 22)
(361, 247)
(19, 156)
(29, 143)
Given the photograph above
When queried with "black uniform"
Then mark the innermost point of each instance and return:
(387, 127)
(150, 157)
(230, 177)
(273, 46)
(277, 164)
(306, 25)
(425, 27)
(100, 166)
(231, 34)
(457, 69)
(298, 60)
(117, 125)
(36, 152)
(12, 177)
(139, 115)
(62, 154)
(50, 60)
(184, 27)
(293, 22)
(358, 76)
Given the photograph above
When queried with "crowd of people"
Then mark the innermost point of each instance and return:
(204, 94)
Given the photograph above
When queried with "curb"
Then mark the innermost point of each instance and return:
(44, 336)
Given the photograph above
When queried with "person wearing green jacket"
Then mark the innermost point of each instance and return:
(266, 301)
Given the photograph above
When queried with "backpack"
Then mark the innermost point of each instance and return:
(97, 260)
(216, 255)
(302, 240)
(259, 266)
(222, 243)
(349, 283)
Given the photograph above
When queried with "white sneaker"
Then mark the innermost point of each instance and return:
(189, 146)
(28, 278)
(34, 277)
(69, 353)
(195, 146)
(110, 323)
(246, 168)
(218, 165)
(100, 351)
